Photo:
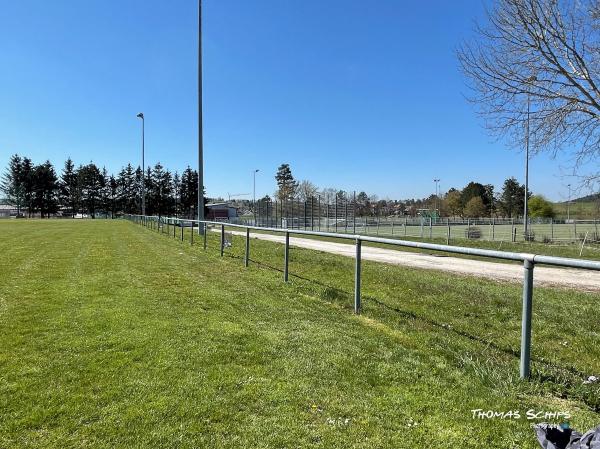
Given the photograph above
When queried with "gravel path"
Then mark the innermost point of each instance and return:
(549, 276)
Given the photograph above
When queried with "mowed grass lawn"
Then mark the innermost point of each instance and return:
(112, 335)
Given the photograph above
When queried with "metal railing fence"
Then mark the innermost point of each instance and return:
(529, 260)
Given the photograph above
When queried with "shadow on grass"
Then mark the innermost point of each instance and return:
(414, 316)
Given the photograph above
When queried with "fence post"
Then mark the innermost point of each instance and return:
(192, 234)
(526, 318)
(346, 216)
(575, 229)
(247, 255)
(304, 223)
(392, 226)
(357, 278)
(286, 257)
(204, 233)
(336, 212)
(421, 227)
(551, 228)
(174, 229)
(222, 239)
(448, 236)
(354, 213)
(493, 229)
(430, 227)
(181, 224)
(405, 223)
(312, 213)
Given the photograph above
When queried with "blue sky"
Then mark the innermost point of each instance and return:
(354, 95)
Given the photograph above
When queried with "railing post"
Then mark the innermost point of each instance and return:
(526, 318)
(551, 228)
(174, 229)
(430, 227)
(222, 239)
(357, 277)
(192, 234)
(247, 255)
(204, 233)
(448, 236)
(286, 259)
(181, 224)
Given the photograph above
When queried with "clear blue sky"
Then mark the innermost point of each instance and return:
(352, 94)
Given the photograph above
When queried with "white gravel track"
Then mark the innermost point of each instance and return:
(549, 276)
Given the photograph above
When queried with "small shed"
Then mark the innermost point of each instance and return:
(220, 211)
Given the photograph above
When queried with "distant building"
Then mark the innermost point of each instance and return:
(7, 211)
(220, 211)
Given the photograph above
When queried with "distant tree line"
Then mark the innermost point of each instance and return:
(474, 200)
(86, 189)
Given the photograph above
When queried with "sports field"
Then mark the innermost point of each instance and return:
(112, 335)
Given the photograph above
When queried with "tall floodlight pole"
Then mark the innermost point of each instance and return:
(200, 136)
(569, 203)
(141, 115)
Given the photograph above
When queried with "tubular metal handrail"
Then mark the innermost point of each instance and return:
(529, 262)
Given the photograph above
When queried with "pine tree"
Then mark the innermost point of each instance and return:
(512, 198)
(286, 184)
(177, 194)
(114, 195)
(126, 182)
(189, 192)
(46, 189)
(161, 191)
(28, 184)
(69, 195)
(12, 183)
(90, 181)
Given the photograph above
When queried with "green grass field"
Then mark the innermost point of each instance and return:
(578, 209)
(112, 335)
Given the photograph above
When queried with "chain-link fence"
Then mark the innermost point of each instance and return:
(344, 216)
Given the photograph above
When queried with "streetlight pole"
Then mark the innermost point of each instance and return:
(254, 172)
(436, 193)
(141, 115)
(531, 79)
(569, 203)
(200, 135)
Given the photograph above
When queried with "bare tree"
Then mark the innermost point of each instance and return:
(540, 58)
(306, 190)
